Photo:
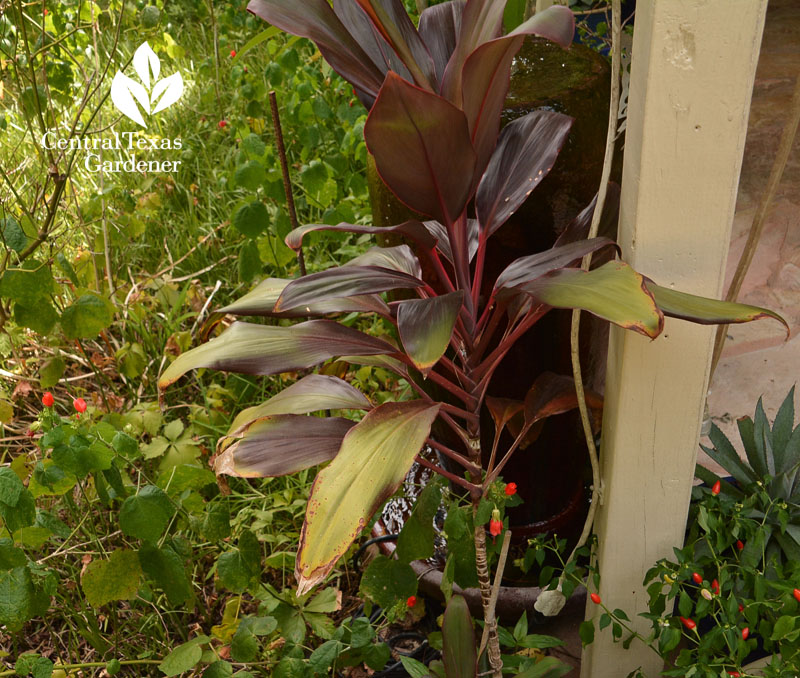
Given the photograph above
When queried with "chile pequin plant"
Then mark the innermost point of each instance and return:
(435, 95)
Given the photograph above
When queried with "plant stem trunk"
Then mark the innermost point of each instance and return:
(481, 563)
(489, 618)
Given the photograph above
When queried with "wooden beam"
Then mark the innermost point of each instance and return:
(692, 76)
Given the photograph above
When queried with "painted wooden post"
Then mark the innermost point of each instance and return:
(693, 68)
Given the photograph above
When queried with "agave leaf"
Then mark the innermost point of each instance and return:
(525, 153)
(395, 26)
(315, 20)
(790, 546)
(372, 42)
(373, 460)
(792, 457)
(413, 230)
(439, 27)
(553, 394)
(426, 327)
(782, 433)
(438, 230)
(281, 444)
(261, 300)
(459, 651)
(709, 478)
(417, 139)
(399, 258)
(526, 269)
(343, 281)
(705, 311)
(760, 455)
(310, 394)
(614, 292)
(262, 349)
(726, 456)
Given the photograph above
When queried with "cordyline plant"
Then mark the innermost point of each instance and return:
(436, 95)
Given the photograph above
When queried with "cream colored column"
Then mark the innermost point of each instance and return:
(693, 68)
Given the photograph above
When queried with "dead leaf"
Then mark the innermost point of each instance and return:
(22, 389)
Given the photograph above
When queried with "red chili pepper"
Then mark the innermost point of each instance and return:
(716, 488)
(411, 601)
(595, 598)
(222, 123)
(233, 53)
(688, 623)
(79, 404)
(739, 544)
(511, 489)
(741, 607)
(47, 399)
(734, 673)
(715, 587)
(698, 579)
(745, 632)
(796, 594)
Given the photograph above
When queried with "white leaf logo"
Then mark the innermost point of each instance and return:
(126, 92)
(171, 87)
(146, 60)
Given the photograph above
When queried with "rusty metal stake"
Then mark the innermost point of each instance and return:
(287, 182)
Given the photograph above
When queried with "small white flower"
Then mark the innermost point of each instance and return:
(550, 603)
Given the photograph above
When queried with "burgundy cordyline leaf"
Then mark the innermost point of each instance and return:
(344, 281)
(485, 79)
(614, 292)
(426, 327)
(372, 42)
(705, 311)
(529, 268)
(282, 444)
(409, 127)
(553, 394)
(261, 300)
(395, 26)
(315, 20)
(266, 349)
(413, 230)
(312, 393)
(482, 21)
(438, 230)
(439, 27)
(525, 154)
(503, 410)
(398, 258)
(578, 228)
